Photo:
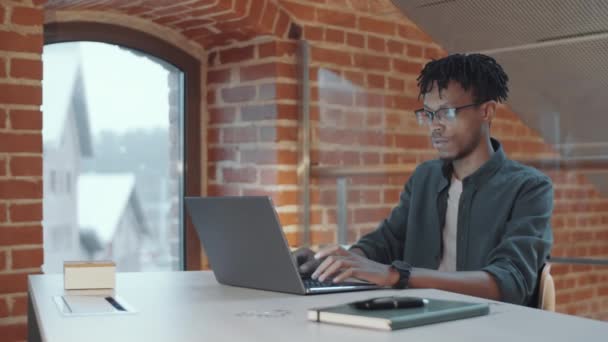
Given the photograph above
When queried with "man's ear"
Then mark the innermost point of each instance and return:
(489, 111)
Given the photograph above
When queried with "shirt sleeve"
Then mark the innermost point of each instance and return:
(386, 243)
(526, 243)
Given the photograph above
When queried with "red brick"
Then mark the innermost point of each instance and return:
(276, 49)
(25, 212)
(218, 115)
(331, 56)
(236, 55)
(13, 283)
(3, 118)
(376, 44)
(412, 33)
(286, 70)
(3, 301)
(275, 177)
(286, 91)
(355, 40)
(280, 133)
(374, 215)
(26, 166)
(583, 294)
(218, 76)
(300, 11)
(414, 50)
(354, 77)
(372, 62)
(313, 33)
(288, 219)
(26, 119)
(269, 16)
(337, 18)
(20, 189)
(370, 158)
(2, 13)
(211, 96)
(283, 25)
(238, 94)
(372, 100)
(406, 67)
(22, 235)
(27, 258)
(222, 153)
(20, 93)
(12, 41)
(287, 111)
(21, 142)
(319, 237)
(239, 175)
(334, 36)
(257, 72)
(377, 26)
(3, 213)
(239, 135)
(395, 46)
(27, 16)
(13, 331)
(287, 197)
(376, 81)
(26, 68)
(412, 141)
(213, 135)
(19, 306)
(3, 64)
(3, 258)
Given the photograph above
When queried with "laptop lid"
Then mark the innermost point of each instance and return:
(244, 242)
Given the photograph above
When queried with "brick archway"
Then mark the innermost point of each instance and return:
(210, 23)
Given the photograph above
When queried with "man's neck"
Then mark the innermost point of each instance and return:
(468, 165)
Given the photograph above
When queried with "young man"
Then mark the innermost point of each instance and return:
(472, 222)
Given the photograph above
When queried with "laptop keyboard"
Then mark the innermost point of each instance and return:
(311, 283)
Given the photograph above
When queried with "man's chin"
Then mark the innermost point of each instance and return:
(446, 156)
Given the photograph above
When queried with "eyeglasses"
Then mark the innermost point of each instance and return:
(443, 115)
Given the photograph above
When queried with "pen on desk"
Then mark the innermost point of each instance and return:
(384, 303)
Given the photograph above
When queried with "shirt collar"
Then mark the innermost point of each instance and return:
(481, 175)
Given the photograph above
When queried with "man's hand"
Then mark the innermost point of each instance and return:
(305, 259)
(342, 264)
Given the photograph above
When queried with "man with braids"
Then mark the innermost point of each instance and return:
(472, 221)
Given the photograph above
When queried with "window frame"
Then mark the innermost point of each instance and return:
(191, 68)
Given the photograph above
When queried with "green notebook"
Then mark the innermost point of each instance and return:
(434, 311)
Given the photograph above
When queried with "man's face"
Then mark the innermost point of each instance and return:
(454, 139)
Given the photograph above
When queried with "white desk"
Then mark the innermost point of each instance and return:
(192, 306)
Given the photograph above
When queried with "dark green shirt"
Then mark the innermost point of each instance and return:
(503, 224)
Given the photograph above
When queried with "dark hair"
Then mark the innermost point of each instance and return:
(478, 72)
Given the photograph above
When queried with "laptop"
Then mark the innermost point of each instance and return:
(246, 246)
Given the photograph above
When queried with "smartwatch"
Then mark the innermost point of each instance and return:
(404, 269)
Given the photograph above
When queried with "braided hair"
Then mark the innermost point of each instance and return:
(478, 72)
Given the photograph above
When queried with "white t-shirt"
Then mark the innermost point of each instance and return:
(450, 230)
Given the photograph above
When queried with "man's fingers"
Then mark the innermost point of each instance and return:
(332, 250)
(348, 273)
(328, 261)
(333, 268)
(309, 266)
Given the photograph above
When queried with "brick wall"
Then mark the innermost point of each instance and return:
(20, 160)
(253, 129)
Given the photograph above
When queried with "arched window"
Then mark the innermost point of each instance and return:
(121, 113)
